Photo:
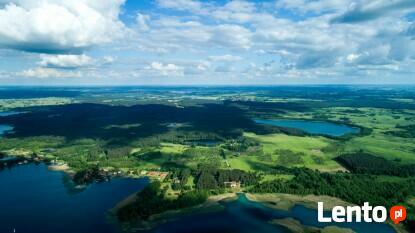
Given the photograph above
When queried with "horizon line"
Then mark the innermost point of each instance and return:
(204, 85)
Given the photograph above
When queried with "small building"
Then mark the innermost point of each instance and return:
(157, 175)
(232, 184)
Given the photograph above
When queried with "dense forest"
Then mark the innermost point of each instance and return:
(364, 163)
(355, 189)
(151, 200)
(208, 178)
(352, 188)
(125, 123)
(90, 174)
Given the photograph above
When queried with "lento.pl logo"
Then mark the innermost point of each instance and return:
(366, 213)
(398, 214)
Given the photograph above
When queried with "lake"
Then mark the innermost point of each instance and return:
(244, 216)
(312, 127)
(203, 142)
(34, 199)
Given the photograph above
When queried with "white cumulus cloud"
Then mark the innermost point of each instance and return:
(52, 26)
(65, 61)
(166, 69)
(41, 72)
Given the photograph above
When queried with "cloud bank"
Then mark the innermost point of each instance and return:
(215, 42)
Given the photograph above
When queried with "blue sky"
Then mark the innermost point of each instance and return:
(185, 42)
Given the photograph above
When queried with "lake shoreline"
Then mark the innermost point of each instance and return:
(295, 226)
(347, 129)
(53, 197)
(280, 201)
(211, 205)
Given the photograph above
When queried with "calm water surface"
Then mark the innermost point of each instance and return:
(9, 113)
(34, 199)
(313, 127)
(4, 129)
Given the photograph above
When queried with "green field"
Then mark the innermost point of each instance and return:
(379, 142)
(315, 152)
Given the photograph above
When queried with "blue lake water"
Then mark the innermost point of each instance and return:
(4, 129)
(312, 127)
(203, 142)
(244, 216)
(9, 113)
(36, 200)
